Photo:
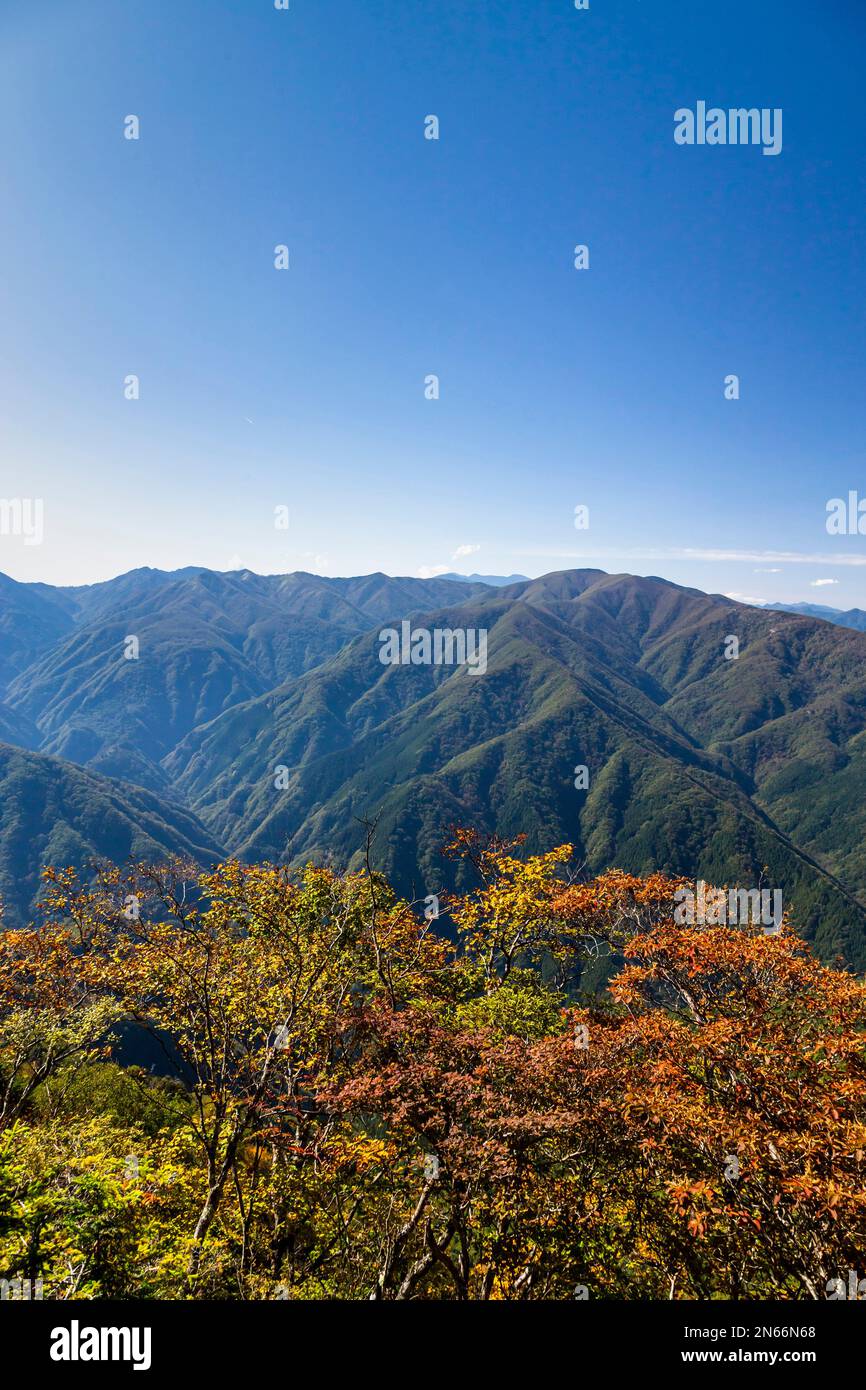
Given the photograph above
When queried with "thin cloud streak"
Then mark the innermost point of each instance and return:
(751, 557)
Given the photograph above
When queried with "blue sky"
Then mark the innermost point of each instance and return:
(305, 388)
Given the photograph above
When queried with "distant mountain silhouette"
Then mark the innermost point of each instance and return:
(494, 580)
(851, 617)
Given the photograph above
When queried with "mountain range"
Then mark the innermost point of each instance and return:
(496, 581)
(212, 714)
(844, 617)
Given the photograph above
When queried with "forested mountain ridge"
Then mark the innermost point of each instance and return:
(205, 642)
(260, 706)
(57, 814)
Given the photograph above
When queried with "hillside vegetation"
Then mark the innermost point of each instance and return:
(354, 1106)
(262, 723)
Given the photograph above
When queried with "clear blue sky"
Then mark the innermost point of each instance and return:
(305, 388)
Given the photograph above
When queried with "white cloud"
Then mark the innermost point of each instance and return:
(747, 598)
(463, 550)
(819, 583)
(431, 571)
(772, 571)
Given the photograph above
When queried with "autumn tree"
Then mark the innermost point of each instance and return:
(357, 1107)
(52, 1009)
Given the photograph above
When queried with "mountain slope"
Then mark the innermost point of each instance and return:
(57, 814)
(206, 642)
(16, 728)
(261, 703)
(33, 617)
(624, 676)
